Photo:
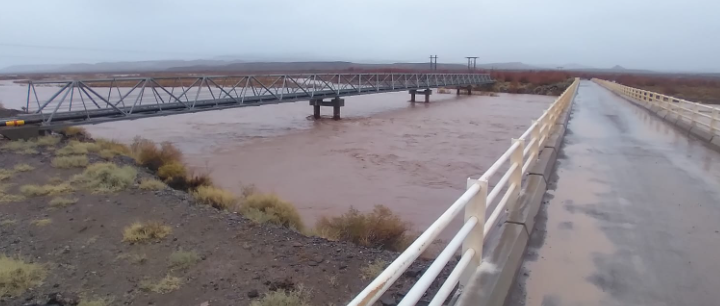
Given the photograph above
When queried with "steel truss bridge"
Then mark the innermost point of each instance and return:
(71, 102)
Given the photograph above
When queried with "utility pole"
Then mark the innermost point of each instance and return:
(472, 62)
(433, 62)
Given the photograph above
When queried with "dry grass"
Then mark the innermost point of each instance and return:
(95, 302)
(152, 184)
(183, 260)
(75, 147)
(106, 177)
(297, 297)
(6, 174)
(23, 168)
(134, 258)
(41, 222)
(17, 276)
(263, 208)
(61, 202)
(43, 190)
(165, 285)
(8, 198)
(215, 197)
(380, 228)
(111, 147)
(374, 269)
(8, 222)
(144, 232)
(48, 141)
(73, 161)
(21, 146)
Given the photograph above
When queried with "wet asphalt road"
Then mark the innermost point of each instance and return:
(634, 218)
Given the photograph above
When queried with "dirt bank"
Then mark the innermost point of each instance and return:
(554, 89)
(208, 256)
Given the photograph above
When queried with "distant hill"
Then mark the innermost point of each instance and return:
(229, 63)
(139, 66)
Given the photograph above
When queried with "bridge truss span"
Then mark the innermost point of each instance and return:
(57, 103)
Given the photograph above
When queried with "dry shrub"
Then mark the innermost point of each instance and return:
(189, 182)
(183, 260)
(23, 168)
(172, 170)
(298, 297)
(106, 177)
(9, 198)
(75, 132)
(152, 184)
(41, 222)
(6, 174)
(374, 269)
(20, 146)
(61, 202)
(8, 222)
(165, 285)
(113, 147)
(380, 228)
(95, 302)
(134, 258)
(48, 141)
(144, 232)
(149, 155)
(72, 161)
(75, 147)
(215, 197)
(17, 276)
(269, 208)
(43, 190)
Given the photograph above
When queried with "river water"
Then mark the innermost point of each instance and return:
(412, 158)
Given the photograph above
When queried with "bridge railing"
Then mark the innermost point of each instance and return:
(700, 114)
(517, 160)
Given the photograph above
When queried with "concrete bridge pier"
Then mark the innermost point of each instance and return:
(426, 92)
(468, 88)
(336, 103)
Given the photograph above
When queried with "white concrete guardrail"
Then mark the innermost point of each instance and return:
(521, 156)
(697, 113)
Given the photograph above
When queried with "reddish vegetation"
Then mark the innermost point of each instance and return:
(697, 88)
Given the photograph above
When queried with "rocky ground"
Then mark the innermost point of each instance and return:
(234, 260)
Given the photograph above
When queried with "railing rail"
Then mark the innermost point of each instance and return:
(694, 112)
(519, 159)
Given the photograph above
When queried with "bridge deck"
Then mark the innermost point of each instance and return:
(635, 216)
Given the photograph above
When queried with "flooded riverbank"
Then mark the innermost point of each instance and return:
(413, 159)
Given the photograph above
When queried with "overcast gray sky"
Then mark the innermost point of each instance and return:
(648, 34)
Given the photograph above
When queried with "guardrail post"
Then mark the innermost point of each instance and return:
(695, 111)
(535, 135)
(475, 208)
(516, 177)
(713, 120)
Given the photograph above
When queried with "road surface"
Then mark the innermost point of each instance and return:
(634, 218)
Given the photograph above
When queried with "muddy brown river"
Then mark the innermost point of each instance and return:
(414, 159)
